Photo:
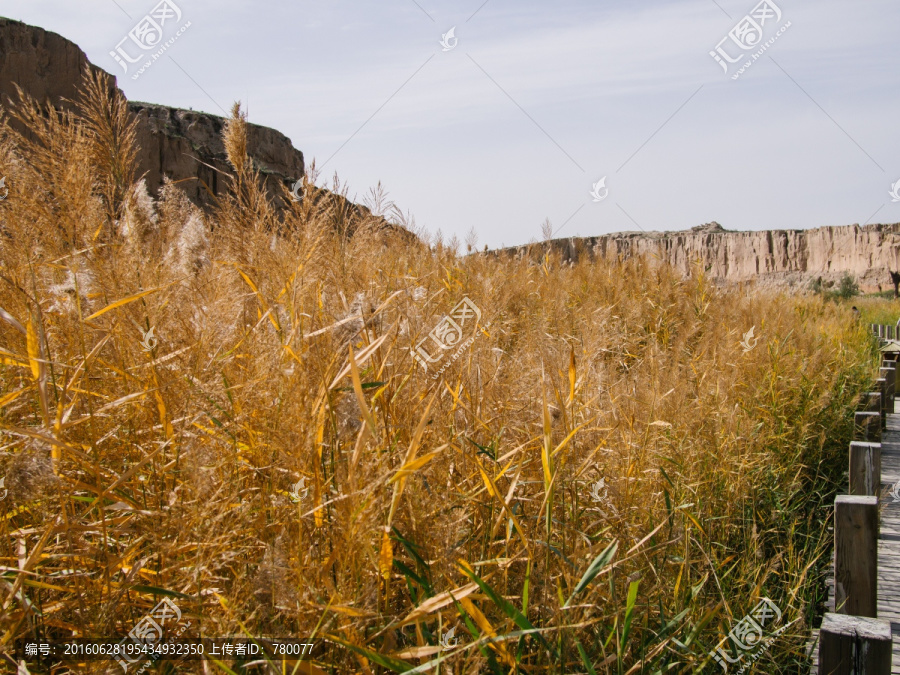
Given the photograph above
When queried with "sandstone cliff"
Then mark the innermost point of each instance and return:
(182, 145)
(186, 146)
(791, 258)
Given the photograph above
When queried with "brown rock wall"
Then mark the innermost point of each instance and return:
(771, 257)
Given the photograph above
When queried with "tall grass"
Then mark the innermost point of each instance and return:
(146, 467)
(879, 310)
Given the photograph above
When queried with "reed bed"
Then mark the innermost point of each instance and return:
(606, 480)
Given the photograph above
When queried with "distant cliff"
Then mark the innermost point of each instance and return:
(790, 258)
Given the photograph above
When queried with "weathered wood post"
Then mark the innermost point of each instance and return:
(868, 426)
(854, 645)
(881, 384)
(865, 468)
(856, 555)
(889, 373)
(873, 402)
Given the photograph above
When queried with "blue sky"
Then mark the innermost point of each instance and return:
(538, 101)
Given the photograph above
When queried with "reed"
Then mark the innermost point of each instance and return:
(605, 481)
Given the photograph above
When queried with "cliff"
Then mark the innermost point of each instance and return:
(186, 146)
(183, 145)
(789, 258)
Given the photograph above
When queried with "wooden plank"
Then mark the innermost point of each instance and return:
(856, 555)
(867, 427)
(865, 468)
(888, 547)
(872, 402)
(889, 372)
(854, 645)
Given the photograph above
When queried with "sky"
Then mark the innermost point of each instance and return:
(599, 116)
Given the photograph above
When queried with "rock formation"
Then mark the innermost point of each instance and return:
(791, 258)
(182, 145)
(187, 147)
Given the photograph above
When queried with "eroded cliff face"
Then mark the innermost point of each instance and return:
(187, 147)
(45, 65)
(791, 258)
(183, 145)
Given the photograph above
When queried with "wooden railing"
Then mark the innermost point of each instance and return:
(852, 639)
(886, 332)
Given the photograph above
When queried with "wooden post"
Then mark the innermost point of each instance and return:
(856, 555)
(889, 373)
(868, 427)
(854, 645)
(865, 468)
(873, 402)
(881, 383)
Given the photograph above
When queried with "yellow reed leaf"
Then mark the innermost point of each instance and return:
(386, 557)
(360, 398)
(12, 396)
(571, 373)
(262, 300)
(122, 302)
(161, 407)
(13, 362)
(485, 625)
(318, 487)
(480, 619)
(415, 465)
(34, 352)
(438, 602)
(410, 456)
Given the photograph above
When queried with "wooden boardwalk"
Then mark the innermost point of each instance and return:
(888, 544)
